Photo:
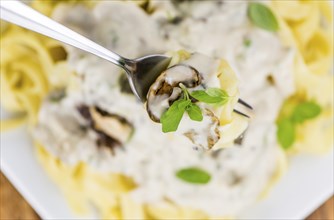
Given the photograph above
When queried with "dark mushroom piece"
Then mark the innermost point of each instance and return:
(112, 130)
(112, 125)
(166, 89)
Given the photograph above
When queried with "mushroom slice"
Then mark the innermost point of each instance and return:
(112, 125)
(165, 90)
(204, 134)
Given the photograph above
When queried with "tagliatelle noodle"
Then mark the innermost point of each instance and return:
(25, 81)
(311, 22)
(29, 69)
(312, 33)
(107, 192)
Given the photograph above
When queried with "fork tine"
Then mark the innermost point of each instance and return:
(245, 104)
(240, 113)
(244, 109)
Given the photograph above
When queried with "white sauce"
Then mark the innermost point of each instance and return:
(151, 158)
(178, 74)
(200, 131)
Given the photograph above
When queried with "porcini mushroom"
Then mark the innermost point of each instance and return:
(166, 89)
(113, 125)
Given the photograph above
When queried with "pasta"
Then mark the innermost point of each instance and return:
(312, 29)
(46, 7)
(308, 25)
(32, 66)
(23, 81)
(107, 192)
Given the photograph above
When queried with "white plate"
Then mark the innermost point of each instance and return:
(307, 184)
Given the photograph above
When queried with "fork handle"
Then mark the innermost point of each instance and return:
(20, 14)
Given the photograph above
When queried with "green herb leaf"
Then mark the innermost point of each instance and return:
(286, 133)
(211, 96)
(223, 102)
(183, 105)
(194, 112)
(170, 119)
(292, 114)
(218, 93)
(262, 16)
(247, 42)
(202, 96)
(194, 175)
(305, 111)
(215, 92)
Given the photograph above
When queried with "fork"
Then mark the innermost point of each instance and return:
(141, 72)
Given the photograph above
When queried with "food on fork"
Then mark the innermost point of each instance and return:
(98, 143)
(196, 97)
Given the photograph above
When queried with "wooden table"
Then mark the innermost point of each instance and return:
(13, 205)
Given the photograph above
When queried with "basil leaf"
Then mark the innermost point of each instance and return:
(211, 96)
(170, 119)
(262, 16)
(216, 92)
(286, 133)
(202, 96)
(194, 112)
(223, 102)
(182, 105)
(292, 114)
(194, 175)
(219, 93)
(305, 111)
(247, 42)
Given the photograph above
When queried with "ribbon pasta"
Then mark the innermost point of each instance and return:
(308, 26)
(311, 23)
(108, 192)
(32, 65)
(23, 82)
(29, 69)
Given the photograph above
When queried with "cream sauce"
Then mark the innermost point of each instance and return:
(152, 158)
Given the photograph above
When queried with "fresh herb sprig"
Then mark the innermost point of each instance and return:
(286, 126)
(171, 119)
(262, 16)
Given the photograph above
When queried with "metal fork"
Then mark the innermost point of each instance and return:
(141, 72)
